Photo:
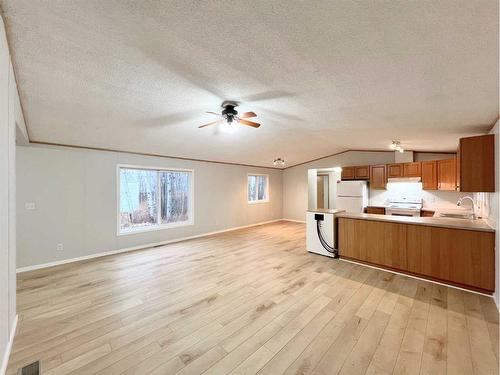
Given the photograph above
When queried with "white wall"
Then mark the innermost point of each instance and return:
(295, 181)
(10, 113)
(74, 191)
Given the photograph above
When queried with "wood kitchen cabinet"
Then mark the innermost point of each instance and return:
(362, 172)
(378, 178)
(427, 213)
(429, 175)
(476, 166)
(412, 169)
(395, 170)
(375, 210)
(455, 256)
(447, 174)
(347, 173)
(404, 170)
(373, 241)
(463, 257)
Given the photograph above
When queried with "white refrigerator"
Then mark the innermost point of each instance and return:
(352, 196)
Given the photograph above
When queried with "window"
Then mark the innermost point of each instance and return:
(152, 199)
(258, 188)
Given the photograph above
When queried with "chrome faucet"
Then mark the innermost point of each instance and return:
(459, 203)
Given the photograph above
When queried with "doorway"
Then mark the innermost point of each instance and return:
(323, 189)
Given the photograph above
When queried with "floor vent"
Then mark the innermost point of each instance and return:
(31, 369)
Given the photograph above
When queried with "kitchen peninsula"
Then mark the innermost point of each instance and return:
(458, 252)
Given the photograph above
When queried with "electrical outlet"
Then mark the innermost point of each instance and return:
(30, 206)
(60, 247)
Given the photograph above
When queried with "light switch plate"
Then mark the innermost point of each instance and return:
(30, 206)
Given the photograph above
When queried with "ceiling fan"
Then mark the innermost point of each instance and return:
(230, 115)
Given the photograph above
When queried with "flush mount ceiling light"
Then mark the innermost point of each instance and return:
(396, 145)
(279, 162)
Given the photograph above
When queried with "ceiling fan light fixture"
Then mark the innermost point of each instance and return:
(229, 118)
(228, 126)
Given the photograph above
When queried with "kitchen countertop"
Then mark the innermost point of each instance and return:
(325, 211)
(467, 224)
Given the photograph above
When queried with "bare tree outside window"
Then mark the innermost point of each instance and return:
(257, 188)
(138, 198)
(174, 196)
(153, 198)
(252, 188)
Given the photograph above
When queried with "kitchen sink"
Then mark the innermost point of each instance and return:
(456, 216)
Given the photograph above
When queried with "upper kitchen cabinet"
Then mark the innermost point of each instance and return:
(429, 175)
(404, 170)
(347, 173)
(476, 166)
(447, 174)
(412, 169)
(378, 178)
(394, 170)
(362, 172)
(356, 173)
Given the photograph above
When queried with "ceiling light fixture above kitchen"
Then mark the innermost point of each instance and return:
(279, 162)
(396, 145)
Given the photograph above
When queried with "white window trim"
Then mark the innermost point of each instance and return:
(267, 189)
(159, 226)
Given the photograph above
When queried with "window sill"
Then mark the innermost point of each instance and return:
(155, 228)
(257, 202)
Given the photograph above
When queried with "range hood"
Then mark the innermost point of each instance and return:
(404, 179)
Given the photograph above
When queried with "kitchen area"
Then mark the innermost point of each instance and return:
(425, 215)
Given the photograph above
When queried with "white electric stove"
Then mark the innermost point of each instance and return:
(404, 207)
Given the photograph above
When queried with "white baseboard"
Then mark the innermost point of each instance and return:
(295, 221)
(145, 246)
(8, 349)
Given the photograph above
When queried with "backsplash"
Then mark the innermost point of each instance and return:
(431, 198)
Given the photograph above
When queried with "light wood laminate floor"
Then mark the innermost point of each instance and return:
(244, 302)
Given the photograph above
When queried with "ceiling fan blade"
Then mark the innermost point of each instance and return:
(248, 115)
(249, 123)
(213, 113)
(210, 123)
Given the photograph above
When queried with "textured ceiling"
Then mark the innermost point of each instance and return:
(323, 76)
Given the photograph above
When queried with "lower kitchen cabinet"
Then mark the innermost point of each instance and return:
(373, 241)
(427, 213)
(463, 257)
(375, 210)
(456, 256)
